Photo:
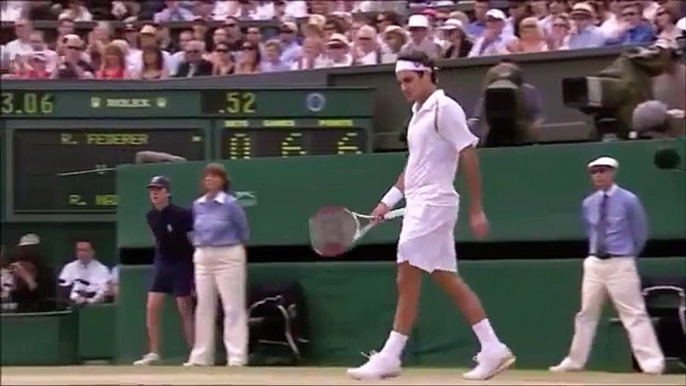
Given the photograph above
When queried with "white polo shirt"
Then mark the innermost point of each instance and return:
(434, 151)
(96, 274)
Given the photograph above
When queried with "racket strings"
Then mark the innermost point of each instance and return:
(332, 232)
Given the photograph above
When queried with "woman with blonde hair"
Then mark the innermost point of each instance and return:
(531, 38)
(113, 64)
(220, 233)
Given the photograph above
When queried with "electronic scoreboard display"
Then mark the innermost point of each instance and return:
(66, 170)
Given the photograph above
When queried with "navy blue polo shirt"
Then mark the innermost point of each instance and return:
(170, 227)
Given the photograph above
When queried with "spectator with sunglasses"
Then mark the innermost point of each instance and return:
(194, 64)
(72, 63)
(249, 59)
(222, 60)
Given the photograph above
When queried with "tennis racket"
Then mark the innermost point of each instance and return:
(335, 230)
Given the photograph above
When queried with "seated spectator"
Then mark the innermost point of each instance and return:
(492, 41)
(234, 37)
(34, 286)
(22, 44)
(177, 58)
(518, 11)
(334, 25)
(165, 41)
(531, 38)
(418, 25)
(555, 9)
(122, 10)
(249, 59)
(222, 60)
(33, 66)
(665, 21)
(39, 46)
(338, 52)
(477, 27)
(459, 44)
(113, 64)
(394, 39)
(311, 56)
(272, 59)
(290, 49)
(611, 20)
(558, 38)
(85, 279)
(634, 29)
(76, 11)
(314, 26)
(72, 64)
(148, 38)
(584, 33)
(173, 12)
(194, 64)
(153, 64)
(366, 50)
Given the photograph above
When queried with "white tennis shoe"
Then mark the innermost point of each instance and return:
(565, 366)
(378, 366)
(148, 359)
(490, 363)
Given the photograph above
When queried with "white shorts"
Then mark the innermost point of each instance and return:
(427, 240)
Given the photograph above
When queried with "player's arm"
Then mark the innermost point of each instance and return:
(469, 163)
(392, 197)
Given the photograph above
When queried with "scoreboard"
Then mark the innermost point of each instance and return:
(62, 147)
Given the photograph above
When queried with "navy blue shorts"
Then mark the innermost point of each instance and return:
(173, 279)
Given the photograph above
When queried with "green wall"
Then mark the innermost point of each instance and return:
(531, 303)
(530, 193)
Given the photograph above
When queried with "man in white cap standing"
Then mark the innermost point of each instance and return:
(420, 37)
(617, 230)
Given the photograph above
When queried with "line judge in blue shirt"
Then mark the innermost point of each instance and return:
(617, 231)
(220, 233)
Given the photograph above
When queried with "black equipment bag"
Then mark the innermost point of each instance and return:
(279, 325)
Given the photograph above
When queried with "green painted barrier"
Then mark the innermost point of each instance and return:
(97, 332)
(43, 339)
(531, 304)
(530, 193)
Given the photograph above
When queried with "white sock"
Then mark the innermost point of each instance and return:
(394, 345)
(484, 332)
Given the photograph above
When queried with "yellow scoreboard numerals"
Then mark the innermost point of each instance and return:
(241, 102)
(28, 103)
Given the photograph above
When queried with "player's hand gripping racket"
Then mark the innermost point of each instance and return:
(335, 230)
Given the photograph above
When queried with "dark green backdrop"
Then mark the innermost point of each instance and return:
(530, 193)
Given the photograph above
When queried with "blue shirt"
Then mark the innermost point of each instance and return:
(627, 227)
(591, 37)
(642, 33)
(171, 226)
(219, 221)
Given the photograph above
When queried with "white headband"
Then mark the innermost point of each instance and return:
(406, 65)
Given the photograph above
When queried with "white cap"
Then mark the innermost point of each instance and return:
(451, 24)
(418, 21)
(29, 239)
(604, 161)
(496, 14)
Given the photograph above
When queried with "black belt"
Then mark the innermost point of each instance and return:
(606, 256)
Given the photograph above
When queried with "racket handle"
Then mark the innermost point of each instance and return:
(395, 214)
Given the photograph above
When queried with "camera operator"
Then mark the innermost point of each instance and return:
(512, 108)
(668, 86)
(34, 286)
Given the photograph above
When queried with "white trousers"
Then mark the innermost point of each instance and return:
(617, 277)
(220, 270)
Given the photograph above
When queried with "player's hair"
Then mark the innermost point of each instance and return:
(421, 58)
(218, 170)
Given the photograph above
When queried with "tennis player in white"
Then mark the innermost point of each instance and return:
(438, 137)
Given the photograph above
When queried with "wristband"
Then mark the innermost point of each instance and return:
(392, 197)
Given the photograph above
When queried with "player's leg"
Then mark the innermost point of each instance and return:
(183, 289)
(494, 356)
(624, 287)
(593, 295)
(161, 286)
(231, 282)
(205, 309)
(386, 363)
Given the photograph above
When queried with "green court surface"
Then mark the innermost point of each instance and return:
(168, 375)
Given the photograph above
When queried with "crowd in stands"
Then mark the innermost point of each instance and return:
(134, 40)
